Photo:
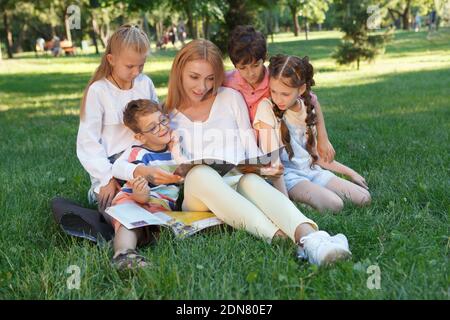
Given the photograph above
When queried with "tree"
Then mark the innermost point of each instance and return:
(6, 6)
(294, 7)
(313, 10)
(235, 12)
(357, 44)
(402, 9)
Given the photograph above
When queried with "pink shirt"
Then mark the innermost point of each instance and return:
(251, 96)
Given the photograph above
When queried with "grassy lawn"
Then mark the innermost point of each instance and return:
(390, 121)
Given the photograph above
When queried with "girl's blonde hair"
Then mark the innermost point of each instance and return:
(126, 37)
(199, 49)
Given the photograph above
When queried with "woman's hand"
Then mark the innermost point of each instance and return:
(271, 171)
(156, 175)
(107, 194)
(359, 180)
(325, 150)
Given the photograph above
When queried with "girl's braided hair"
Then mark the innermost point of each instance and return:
(294, 72)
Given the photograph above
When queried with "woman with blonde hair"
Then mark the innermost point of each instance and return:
(211, 121)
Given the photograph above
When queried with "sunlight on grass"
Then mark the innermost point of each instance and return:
(389, 121)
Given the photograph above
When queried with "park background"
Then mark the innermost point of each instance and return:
(387, 117)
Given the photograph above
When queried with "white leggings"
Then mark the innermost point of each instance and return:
(253, 204)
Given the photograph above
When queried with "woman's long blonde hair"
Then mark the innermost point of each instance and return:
(199, 49)
(127, 36)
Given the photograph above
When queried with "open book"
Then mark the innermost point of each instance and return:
(182, 223)
(223, 167)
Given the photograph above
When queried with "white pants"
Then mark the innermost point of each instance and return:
(251, 203)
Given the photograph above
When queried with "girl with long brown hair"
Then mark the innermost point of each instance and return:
(289, 119)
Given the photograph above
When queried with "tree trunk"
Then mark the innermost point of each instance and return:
(159, 30)
(190, 23)
(295, 20)
(67, 26)
(405, 16)
(9, 37)
(1, 57)
(104, 34)
(306, 26)
(276, 28)
(94, 31)
(146, 29)
(20, 40)
(206, 27)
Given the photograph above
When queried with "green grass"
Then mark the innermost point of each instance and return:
(390, 121)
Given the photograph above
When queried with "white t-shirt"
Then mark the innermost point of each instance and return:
(102, 133)
(296, 123)
(226, 134)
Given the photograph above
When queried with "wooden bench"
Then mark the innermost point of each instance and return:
(68, 48)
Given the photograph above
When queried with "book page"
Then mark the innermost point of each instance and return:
(186, 223)
(132, 216)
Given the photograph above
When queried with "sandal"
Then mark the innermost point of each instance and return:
(129, 260)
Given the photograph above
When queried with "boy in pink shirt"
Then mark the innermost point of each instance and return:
(247, 49)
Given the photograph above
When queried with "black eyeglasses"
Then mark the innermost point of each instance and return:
(163, 121)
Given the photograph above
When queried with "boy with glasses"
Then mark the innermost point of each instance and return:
(151, 128)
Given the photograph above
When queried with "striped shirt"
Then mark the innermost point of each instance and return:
(161, 197)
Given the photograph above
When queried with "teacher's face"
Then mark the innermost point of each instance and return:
(198, 79)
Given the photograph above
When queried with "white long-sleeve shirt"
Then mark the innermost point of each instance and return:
(102, 134)
(227, 133)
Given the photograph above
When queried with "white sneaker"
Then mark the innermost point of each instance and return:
(340, 239)
(322, 249)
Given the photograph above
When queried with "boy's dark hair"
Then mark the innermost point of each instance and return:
(138, 108)
(246, 45)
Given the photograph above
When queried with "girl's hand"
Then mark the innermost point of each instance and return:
(359, 180)
(159, 176)
(140, 186)
(325, 150)
(107, 193)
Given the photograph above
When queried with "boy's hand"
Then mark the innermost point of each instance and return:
(325, 150)
(140, 186)
(359, 180)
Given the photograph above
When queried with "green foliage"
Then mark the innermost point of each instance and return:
(235, 12)
(357, 43)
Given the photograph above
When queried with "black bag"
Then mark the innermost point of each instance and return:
(81, 222)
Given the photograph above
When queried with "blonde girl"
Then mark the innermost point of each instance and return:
(289, 119)
(102, 136)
